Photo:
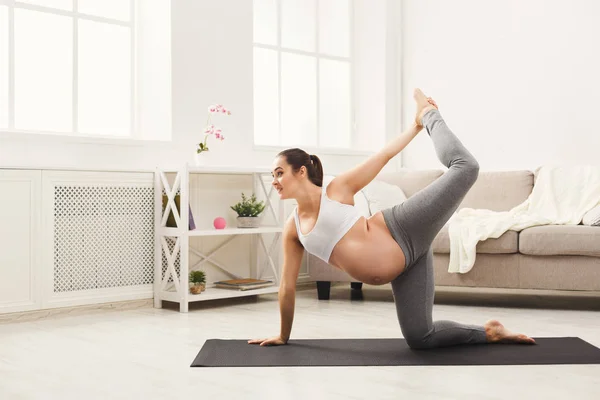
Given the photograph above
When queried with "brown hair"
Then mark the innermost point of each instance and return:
(298, 158)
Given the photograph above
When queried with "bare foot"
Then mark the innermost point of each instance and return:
(495, 332)
(424, 104)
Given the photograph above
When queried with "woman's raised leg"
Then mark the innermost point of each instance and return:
(424, 214)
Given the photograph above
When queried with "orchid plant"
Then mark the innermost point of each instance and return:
(210, 129)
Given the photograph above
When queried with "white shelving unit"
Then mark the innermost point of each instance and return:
(172, 242)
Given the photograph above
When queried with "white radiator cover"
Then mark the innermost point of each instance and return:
(100, 227)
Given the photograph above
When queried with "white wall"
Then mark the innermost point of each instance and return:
(517, 81)
(211, 63)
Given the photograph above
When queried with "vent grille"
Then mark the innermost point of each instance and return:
(103, 237)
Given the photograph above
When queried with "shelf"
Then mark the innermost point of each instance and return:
(213, 293)
(166, 255)
(221, 232)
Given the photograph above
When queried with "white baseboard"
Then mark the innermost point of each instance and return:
(27, 316)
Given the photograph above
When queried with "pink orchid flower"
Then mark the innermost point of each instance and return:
(210, 129)
(218, 108)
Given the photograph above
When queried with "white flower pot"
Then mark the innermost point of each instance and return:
(248, 222)
(203, 159)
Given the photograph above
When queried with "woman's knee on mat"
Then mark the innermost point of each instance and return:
(417, 338)
(418, 343)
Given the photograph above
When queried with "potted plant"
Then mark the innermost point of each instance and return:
(248, 211)
(198, 278)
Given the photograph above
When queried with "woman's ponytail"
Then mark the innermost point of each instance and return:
(298, 158)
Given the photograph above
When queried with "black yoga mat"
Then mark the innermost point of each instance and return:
(365, 352)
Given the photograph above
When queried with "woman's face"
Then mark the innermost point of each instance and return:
(284, 180)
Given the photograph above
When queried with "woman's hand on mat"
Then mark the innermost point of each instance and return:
(274, 341)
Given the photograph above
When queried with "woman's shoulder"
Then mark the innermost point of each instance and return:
(338, 191)
(290, 231)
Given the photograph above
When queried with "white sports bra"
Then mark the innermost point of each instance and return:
(334, 220)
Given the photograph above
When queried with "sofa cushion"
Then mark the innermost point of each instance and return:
(382, 195)
(410, 180)
(505, 244)
(493, 190)
(548, 240)
(499, 190)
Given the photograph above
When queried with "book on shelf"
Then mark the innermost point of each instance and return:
(243, 284)
(171, 219)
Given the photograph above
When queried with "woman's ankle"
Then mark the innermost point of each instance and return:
(422, 113)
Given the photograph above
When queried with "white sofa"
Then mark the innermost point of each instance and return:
(552, 257)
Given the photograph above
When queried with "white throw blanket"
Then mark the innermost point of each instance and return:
(561, 196)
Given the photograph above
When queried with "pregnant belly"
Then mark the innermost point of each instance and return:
(369, 253)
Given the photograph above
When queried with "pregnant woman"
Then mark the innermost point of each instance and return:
(393, 245)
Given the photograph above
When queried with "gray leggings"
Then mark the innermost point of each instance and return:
(414, 224)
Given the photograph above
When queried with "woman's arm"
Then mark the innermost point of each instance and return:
(398, 144)
(360, 176)
(292, 259)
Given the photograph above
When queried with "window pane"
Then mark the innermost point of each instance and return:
(298, 100)
(60, 4)
(265, 22)
(104, 78)
(266, 93)
(115, 9)
(43, 71)
(3, 67)
(334, 103)
(298, 24)
(334, 27)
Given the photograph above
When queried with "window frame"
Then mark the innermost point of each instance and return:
(350, 59)
(10, 132)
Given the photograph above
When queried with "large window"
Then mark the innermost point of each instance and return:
(303, 73)
(70, 67)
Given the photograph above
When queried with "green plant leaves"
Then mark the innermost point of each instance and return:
(248, 207)
(197, 277)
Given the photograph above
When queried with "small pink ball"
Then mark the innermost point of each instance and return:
(220, 223)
